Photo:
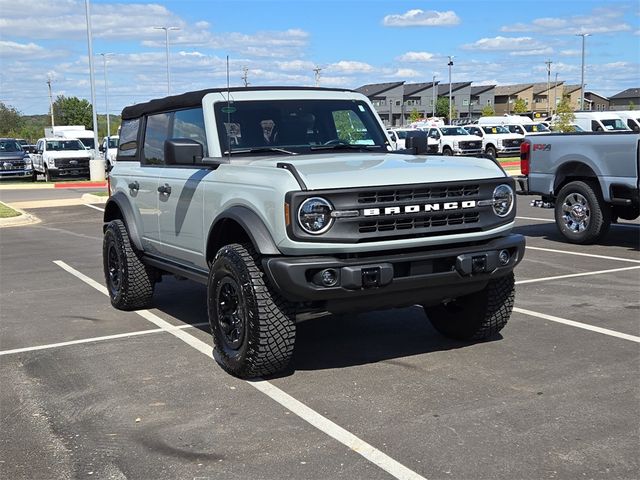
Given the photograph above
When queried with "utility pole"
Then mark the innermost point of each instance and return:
(548, 63)
(166, 45)
(450, 64)
(433, 96)
(583, 35)
(106, 93)
(245, 76)
(317, 71)
(50, 102)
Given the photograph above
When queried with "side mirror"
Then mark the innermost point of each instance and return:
(101, 148)
(182, 151)
(418, 144)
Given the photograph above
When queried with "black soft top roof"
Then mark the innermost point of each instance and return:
(194, 99)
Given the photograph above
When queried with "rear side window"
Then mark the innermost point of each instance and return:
(156, 132)
(129, 138)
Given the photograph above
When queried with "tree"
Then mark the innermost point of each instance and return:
(72, 111)
(632, 106)
(520, 106)
(414, 116)
(442, 108)
(487, 111)
(10, 121)
(564, 116)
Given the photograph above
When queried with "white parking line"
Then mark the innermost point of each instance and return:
(551, 220)
(536, 219)
(94, 207)
(93, 339)
(375, 456)
(591, 255)
(584, 274)
(604, 331)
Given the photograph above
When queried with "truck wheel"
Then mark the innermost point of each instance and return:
(581, 214)
(129, 281)
(476, 316)
(253, 329)
(491, 151)
(47, 175)
(447, 151)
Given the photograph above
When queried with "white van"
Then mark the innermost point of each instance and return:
(632, 117)
(600, 122)
(504, 120)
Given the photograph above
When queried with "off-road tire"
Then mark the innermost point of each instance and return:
(491, 151)
(598, 213)
(477, 316)
(260, 338)
(447, 151)
(129, 281)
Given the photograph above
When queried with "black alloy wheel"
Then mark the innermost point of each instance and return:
(231, 313)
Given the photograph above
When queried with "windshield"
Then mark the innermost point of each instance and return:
(299, 126)
(64, 145)
(88, 142)
(10, 146)
(535, 127)
(494, 130)
(454, 131)
(614, 124)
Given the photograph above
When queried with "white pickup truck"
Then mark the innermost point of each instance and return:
(58, 157)
(496, 139)
(454, 140)
(590, 179)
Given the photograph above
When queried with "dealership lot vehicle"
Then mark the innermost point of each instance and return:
(455, 140)
(139, 402)
(58, 157)
(14, 161)
(497, 141)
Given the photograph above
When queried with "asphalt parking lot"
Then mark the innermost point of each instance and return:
(92, 392)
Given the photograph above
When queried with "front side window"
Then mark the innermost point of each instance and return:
(156, 132)
(128, 143)
(298, 126)
(190, 124)
(614, 124)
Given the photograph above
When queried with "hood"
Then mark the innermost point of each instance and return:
(69, 153)
(378, 169)
(5, 156)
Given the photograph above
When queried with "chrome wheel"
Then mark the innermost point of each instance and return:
(576, 212)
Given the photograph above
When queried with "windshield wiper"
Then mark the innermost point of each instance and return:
(343, 146)
(259, 150)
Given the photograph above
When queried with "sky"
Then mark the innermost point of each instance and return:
(352, 42)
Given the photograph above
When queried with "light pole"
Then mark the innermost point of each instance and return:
(548, 63)
(94, 173)
(166, 44)
(433, 97)
(450, 64)
(106, 93)
(583, 35)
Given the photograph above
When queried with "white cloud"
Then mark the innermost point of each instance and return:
(345, 66)
(416, 57)
(403, 73)
(532, 52)
(600, 21)
(570, 53)
(295, 65)
(499, 43)
(422, 18)
(9, 49)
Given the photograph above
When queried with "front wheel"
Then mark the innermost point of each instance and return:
(47, 175)
(447, 151)
(477, 316)
(491, 151)
(581, 214)
(253, 329)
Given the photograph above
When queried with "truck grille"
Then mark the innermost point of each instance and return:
(428, 193)
(72, 162)
(12, 165)
(512, 142)
(418, 222)
(469, 145)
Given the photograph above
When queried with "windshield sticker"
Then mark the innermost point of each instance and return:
(361, 108)
(228, 109)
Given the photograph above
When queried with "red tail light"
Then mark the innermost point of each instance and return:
(525, 148)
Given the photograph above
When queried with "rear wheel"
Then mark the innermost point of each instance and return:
(129, 281)
(581, 214)
(477, 316)
(253, 328)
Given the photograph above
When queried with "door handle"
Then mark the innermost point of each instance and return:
(165, 189)
(134, 186)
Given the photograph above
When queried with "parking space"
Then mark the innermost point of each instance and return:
(377, 395)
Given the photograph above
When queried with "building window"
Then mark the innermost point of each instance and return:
(465, 102)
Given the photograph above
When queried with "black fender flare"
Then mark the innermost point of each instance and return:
(252, 225)
(119, 201)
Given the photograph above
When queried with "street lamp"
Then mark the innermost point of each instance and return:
(450, 64)
(166, 44)
(433, 97)
(583, 35)
(96, 172)
(106, 94)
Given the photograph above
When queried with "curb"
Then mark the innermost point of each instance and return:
(91, 198)
(21, 220)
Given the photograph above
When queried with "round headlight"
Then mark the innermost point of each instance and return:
(503, 200)
(314, 215)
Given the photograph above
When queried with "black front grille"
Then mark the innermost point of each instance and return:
(470, 145)
(512, 142)
(388, 225)
(72, 162)
(423, 193)
(12, 165)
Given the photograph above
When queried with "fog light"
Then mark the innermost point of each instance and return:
(329, 277)
(504, 257)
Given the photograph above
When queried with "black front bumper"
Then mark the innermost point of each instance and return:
(394, 279)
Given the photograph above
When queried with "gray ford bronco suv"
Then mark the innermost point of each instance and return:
(288, 203)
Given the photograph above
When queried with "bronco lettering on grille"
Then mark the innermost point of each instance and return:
(427, 207)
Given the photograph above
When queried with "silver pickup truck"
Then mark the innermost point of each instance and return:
(590, 179)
